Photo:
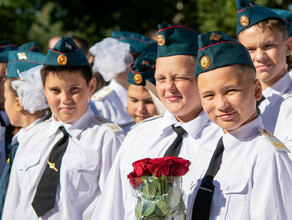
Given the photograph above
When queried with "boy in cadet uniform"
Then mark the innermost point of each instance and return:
(140, 103)
(111, 101)
(249, 175)
(184, 130)
(61, 165)
(264, 34)
(25, 102)
(6, 129)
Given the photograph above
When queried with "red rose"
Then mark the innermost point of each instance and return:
(180, 166)
(134, 180)
(160, 166)
(141, 167)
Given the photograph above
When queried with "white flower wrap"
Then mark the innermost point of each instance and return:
(111, 57)
(30, 91)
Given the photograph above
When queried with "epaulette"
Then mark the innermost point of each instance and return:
(108, 124)
(147, 119)
(105, 91)
(277, 144)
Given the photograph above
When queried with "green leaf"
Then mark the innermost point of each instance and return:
(148, 208)
(162, 207)
(138, 208)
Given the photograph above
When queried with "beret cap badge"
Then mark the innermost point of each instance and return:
(244, 20)
(62, 60)
(205, 62)
(138, 78)
(160, 40)
(215, 37)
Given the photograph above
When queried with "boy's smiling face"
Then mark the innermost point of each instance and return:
(229, 95)
(68, 96)
(268, 50)
(176, 87)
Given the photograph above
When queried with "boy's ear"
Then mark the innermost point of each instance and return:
(92, 85)
(18, 105)
(258, 89)
(289, 46)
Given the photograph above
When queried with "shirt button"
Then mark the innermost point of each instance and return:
(226, 187)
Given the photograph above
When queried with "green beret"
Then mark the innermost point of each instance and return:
(66, 53)
(250, 13)
(217, 49)
(20, 61)
(287, 17)
(138, 42)
(5, 46)
(30, 46)
(143, 68)
(176, 40)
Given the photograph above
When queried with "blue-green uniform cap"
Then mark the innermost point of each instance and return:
(176, 40)
(250, 13)
(138, 42)
(30, 46)
(66, 53)
(19, 61)
(217, 49)
(287, 17)
(142, 69)
(5, 47)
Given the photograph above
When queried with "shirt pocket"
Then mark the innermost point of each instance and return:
(79, 175)
(234, 196)
(28, 168)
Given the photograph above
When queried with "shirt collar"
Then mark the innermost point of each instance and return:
(280, 87)
(234, 138)
(192, 127)
(74, 129)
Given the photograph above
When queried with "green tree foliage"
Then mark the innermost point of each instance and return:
(35, 20)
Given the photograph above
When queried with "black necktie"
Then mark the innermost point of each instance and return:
(174, 148)
(258, 103)
(202, 205)
(45, 196)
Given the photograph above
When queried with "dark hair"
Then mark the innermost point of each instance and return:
(82, 43)
(57, 70)
(8, 82)
(272, 24)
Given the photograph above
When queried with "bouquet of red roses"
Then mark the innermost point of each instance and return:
(158, 183)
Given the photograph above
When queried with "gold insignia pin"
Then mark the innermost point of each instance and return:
(22, 56)
(244, 20)
(138, 78)
(145, 62)
(160, 40)
(215, 37)
(52, 166)
(205, 62)
(62, 60)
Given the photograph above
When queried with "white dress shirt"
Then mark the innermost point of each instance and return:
(254, 180)
(276, 109)
(93, 144)
(151, 138)
(111, 102)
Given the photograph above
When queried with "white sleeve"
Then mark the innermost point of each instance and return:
(13, 193)
(111, 144)
(271, 196)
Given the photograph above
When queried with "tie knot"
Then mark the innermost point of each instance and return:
(63, 130)
(179, 130)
